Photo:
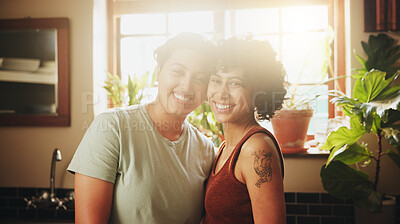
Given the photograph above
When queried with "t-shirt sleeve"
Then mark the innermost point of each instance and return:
(209, 156)
(98, 153)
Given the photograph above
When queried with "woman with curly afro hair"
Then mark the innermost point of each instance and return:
(246, 181)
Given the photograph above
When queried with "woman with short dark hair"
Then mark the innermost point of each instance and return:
(146, 163)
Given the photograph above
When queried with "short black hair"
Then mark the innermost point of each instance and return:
(192, 41)
(262, 70)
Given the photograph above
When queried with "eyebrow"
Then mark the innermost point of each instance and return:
(179, 64)
(230, 77)
(183, 66)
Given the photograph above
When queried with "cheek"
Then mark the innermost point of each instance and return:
(213, 89)
(245, 98)
(166, 83)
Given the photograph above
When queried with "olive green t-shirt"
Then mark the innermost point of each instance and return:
(155, 180)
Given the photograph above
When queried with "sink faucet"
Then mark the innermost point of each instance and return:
(56, 157)
(44, 197)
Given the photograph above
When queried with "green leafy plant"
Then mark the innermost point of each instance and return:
(116, 90)
(203, 119)
(373, 108)
(383, 54)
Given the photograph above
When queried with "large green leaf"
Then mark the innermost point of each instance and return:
(393, 119)
(361, 60)
(368, 115)
(382, 107)
(370, 85)
(340, 137)
(389, 92)
(340, 180)
(343, 136)
(383, 54)
(354, 153)
(344, 101)
(359, 92)
(365, 197)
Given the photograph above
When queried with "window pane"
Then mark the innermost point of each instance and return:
(320, 105)
(198, 22)
(256, 21)
(143, 24)
(304, 56)
(304, 18)
(137, 55)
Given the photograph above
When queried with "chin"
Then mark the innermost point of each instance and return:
(181, 112)
(222, 119)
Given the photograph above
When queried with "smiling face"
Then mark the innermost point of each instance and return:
(182, 82)
(230, 97)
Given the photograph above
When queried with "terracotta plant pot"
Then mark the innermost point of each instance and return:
(290, 129)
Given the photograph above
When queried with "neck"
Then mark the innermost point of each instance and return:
(234, 131)
(167, 125)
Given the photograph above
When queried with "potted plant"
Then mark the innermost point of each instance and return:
(116, 90)
(290, 124)
(373, 108)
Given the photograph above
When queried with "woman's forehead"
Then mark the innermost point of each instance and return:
(235, 72)
(187, 58)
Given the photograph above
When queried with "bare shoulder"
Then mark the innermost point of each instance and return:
(259, 160)
(259, 142)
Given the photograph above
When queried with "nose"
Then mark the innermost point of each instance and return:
(186, 83)
(223, 92)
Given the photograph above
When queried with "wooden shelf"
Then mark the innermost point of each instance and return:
(27, 77)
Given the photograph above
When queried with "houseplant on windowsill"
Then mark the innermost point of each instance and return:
(116, 90)
(290, 124)
(373, 108)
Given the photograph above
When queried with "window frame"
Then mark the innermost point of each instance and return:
(336, 19)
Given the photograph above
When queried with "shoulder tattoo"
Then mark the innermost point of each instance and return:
(263, 166)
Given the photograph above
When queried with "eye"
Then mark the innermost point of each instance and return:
(215, 80)
(235, 83)
(177, 72)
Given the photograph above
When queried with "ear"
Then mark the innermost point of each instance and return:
(158, 70)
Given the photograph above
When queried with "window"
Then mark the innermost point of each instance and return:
(299, 34)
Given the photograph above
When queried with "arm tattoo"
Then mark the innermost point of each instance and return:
(263, 166)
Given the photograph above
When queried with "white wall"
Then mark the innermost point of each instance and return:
(25, 152)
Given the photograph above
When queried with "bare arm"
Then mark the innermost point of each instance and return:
(93, 199)
(259, 167)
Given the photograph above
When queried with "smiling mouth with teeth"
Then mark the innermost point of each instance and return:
(223, 106)
(182, 98)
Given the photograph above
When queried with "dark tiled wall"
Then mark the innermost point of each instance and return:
(317, 208)
(13, 206)
(307, 208)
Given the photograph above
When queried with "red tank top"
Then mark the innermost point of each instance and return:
(227, 199)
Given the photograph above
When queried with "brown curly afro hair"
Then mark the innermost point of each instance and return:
(262, 70)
